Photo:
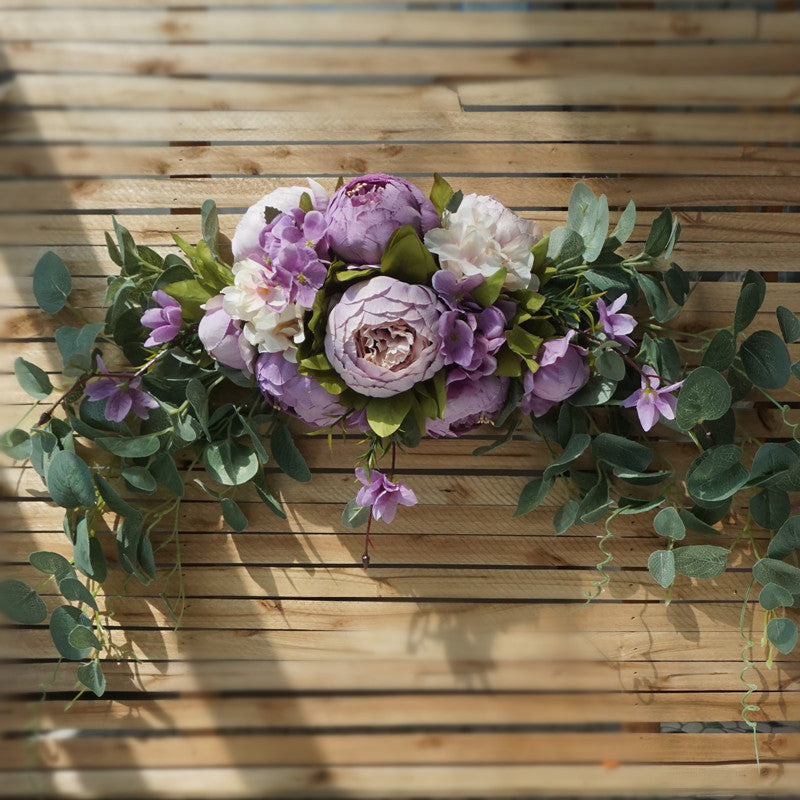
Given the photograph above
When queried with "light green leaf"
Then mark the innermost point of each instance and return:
(81, 637)
(701, 560)
(773, 596)
(668, 523)
(386, 414)
(354, 515)
(20, 603)
(62, 622)
(51, 283)
(782, 634)
(406, 257)
(625, 225)
(230, 463)
(209, 225)
(32, 379)
(441, 193)
(16, 444)
(661, 565)
(91, 676)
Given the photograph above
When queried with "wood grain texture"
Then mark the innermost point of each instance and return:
(464, 661)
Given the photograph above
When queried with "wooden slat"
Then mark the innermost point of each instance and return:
(430, 26)
(541, 126)
(411, 157)
(457, 62)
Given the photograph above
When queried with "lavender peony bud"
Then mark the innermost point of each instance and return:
(366, 211)
(245, 242)
(297, 394)
(383, 336)
(469, 403)
(222, 338)
(562, 371)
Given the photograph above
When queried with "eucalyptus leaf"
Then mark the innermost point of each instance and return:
(20, 603)
(139, 479)
(701, 560)
(789, 324)
(166, 474)
(129, 447)
(52, 564)
(575, 447)
(660, 232)
(32, 379)
(209, 225)
(773, 596)
(770, 508)
(668, 523)
(621, 452)
(565, 517)
(74, 590)
(716, 475)
(782, 634)
(766, 360)
(229, 462)
(705, 394)
(770, 570)
(91, 676)
(82, 637)
(786, 539)
(532, 495)
(661, 565)
(611, 365)
(16, 444)
(751, 296)
(354, 515)
(721, 351)
(233, 514)
(51, 283)
(62, 622)
(285, 452)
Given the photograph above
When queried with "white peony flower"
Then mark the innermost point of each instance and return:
(277, 331)
(482, 236)
(245, 242)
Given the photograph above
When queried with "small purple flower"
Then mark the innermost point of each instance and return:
(366, 211)
(562, 371)
(615, 325)
(122, 394)
(470, 340)
(165, 321)
(455, 293)
(650, 401)
(383, 495)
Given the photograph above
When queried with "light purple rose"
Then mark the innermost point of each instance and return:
(562, 371)
(245, 242)
(469, 403)
(300, 395)
(222, 337)
(366, 211)
(383, 336)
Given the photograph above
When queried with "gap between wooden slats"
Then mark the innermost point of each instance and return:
(214, 25)
(454, 62)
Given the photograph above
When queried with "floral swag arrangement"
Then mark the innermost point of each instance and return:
(395, 316)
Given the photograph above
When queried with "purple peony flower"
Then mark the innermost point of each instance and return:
(297, 394)
(122, 395)
(222, 337)
(366, 211)
(615, 325)
(245, 242)
(650, 401)
(383, 495)
(469, 403)
(165, 321)
(562, 371)
(383, 336)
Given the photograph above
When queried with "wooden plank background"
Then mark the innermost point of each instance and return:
(464, 662)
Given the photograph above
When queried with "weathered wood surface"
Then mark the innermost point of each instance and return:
(465, 661)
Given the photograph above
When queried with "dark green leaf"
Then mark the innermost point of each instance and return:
(789, 324)
(786, 539)
(20, 603)
(770, 463)
(62, 622)
(532, 494)
(267, 497)
(139, 479)
(716, 475)
(701, 560)
(782, 634)
(565, 517)
(129, 447)
(51, 283)
(611, 365)
(233, 515)
(677, 283)
(694, 523)
(655, 296)
(661, 565)
(721, 351)
(69, 481)
(91, 676)
(751, 296)
(575, 447)
(166, 474)
(704, 395)
(81, 637)
(598, 390)
(595, 502)
(621, 452)
(74, 590)
(32, 379)
(113, 500)
(770, 570)
(659, 235)
(52, 564)
(766, 360)
(770, 508)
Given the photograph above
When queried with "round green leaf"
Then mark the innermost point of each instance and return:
(661, 565)
(62, 622)
(51, 283)
(354, 515)
(16, 444)
(701, 560)
(694, 523)
(789, 324)
(139, 479)
(73, 589)
(705, 394)
(20, 603)
(91, 676)
(721, 351)
(52, 564)
(770, 570)
(230, 463)
(669, 523)
(610, 364)
(786, 539)
(751, 296)
(773, 596)
(766, 360)
(81, 637)
(129, 447)
(716, 474)
(69, 481)
(770, 463)
(770, 508)
(32, 379)
(782, 634)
